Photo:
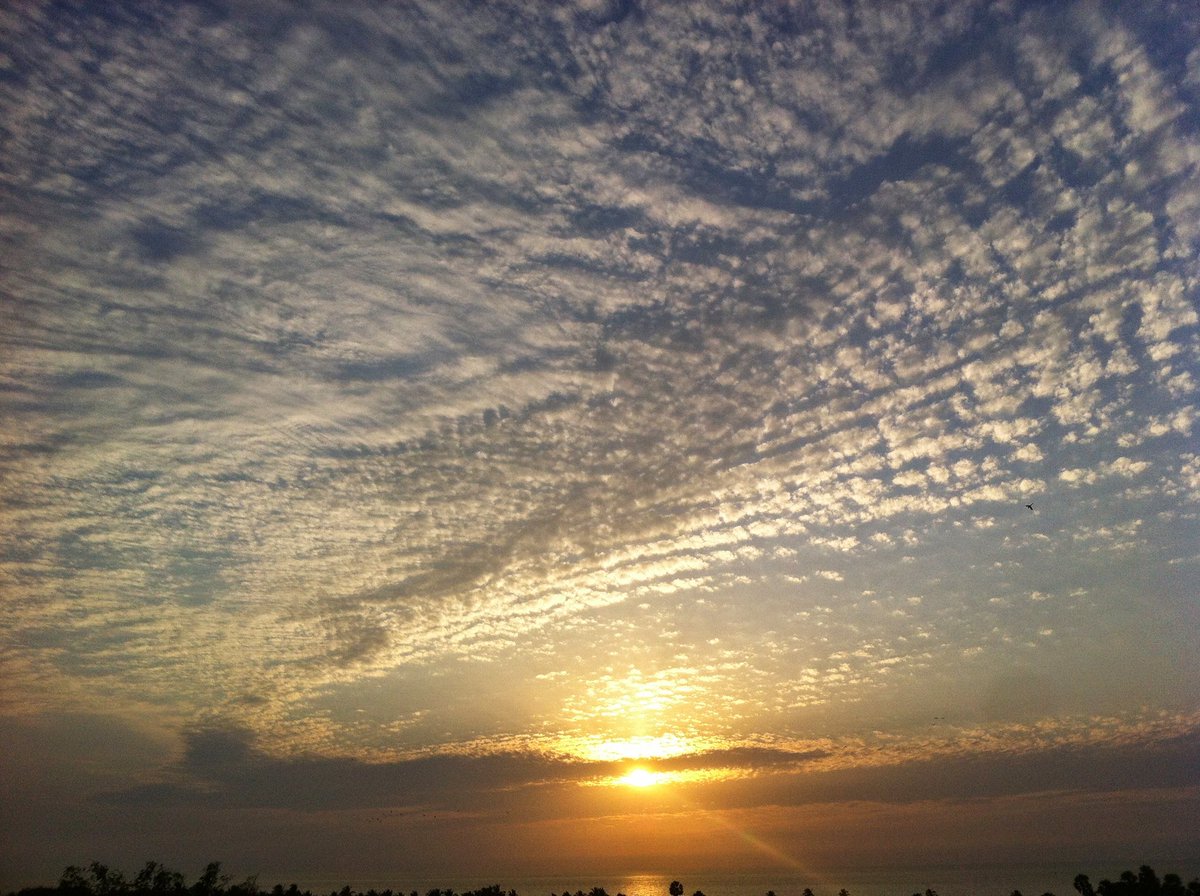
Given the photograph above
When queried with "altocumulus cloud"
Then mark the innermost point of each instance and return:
(388, 380)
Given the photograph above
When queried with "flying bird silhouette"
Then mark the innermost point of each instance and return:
(1030, 506)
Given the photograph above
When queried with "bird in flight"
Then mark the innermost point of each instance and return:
(1030, 506)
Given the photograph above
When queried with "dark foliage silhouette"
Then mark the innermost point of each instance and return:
(1144, 883)
(98, 879)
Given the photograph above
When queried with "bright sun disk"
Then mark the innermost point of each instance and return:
(640, 777)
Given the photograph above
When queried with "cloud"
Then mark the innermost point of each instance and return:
(222, 767)
(380, 346)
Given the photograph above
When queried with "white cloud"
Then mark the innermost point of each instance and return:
(424, 360)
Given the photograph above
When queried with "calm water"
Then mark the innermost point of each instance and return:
(999, 881)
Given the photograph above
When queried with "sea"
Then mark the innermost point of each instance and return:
(958, 881)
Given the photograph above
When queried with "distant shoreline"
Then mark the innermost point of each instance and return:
(154, 879)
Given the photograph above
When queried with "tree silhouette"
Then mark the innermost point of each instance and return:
(106, 880)
(1145, 883)
(159, 880)
(210, 882)
(153, 879)
(73, 881)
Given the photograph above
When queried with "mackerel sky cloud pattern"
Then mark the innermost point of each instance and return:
(395, 385)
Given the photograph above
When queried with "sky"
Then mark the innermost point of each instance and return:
(529, 437)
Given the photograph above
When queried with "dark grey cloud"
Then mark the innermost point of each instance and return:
(1085, 769)
(222, 768)
(212, 751)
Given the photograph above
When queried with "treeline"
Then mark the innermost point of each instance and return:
(1144, 883)
(154, 879)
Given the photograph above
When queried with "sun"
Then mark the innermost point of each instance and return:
(640, 777)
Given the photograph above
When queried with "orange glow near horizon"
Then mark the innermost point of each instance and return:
(640, 777)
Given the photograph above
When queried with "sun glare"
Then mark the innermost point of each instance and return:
(661, 747)
(640, 777)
